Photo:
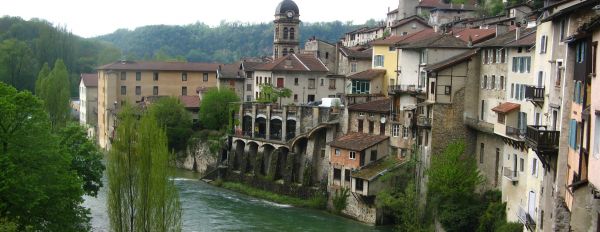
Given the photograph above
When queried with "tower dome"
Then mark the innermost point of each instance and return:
(285, 6)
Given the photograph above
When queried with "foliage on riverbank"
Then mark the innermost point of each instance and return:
(315, 202)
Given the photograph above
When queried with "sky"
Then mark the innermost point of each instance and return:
(89, 18)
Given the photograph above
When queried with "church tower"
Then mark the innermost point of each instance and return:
(287, 29)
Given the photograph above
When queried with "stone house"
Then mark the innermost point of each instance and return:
(363, 36)
(88, 97)
(324, 51)
(354, 60)
(238, 77)
(408, 25)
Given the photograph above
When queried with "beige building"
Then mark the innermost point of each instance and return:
(324, 51)
(130, 81)
(88, 100)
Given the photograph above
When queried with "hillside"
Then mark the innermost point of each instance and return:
(26, 45)
(201, 43)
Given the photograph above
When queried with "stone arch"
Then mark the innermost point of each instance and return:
(237, 152)
(250, 153)
(279, 157)
(292, 33)
(247, 125)
(275, 128)
(297, 159)
(260, 127)
(285, 33)
(263, 159)
(290, 128)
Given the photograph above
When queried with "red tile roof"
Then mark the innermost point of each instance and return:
(433, 40)
(90, 79)
(416, 36)
(404, 21)
(366, 54)
(368, 74)
(378, 106)
(190, 102)
(476, 35)
(160, 66)
(357, 141)
(451, 61)
(507, 107)
(441, 4)
(295, 62)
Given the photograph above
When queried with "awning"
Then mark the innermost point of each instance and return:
(506, 107)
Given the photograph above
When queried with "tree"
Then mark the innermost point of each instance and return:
(17, 64)
(42, 75)
(270, 94)
(87, 159)
(172, 115)
(55, 92)
(38, 188)
(141, 196)
(453, 177)
(216, 107)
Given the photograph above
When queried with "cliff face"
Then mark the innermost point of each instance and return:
(198, 158)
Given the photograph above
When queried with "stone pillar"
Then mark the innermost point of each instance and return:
(273, 162)
(253, 120)
(289, 167)
(315, 116)
(284, 124)
(258, 160)
(268, 132)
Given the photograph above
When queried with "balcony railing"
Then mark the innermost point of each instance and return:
(515, 132)
(405, 89)
(535, 94)
(541, 139)
(510, 174)
(526, 219)
(423, 121)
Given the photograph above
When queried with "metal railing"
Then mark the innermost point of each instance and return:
(526, 219)
(510, 174)
(534, 93)
(539, 137)
(515, 132)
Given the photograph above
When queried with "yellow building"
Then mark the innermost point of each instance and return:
(130, 81)
(385, 57)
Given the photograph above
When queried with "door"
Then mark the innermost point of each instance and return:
(382, 129)
(279, 82)
(360, 126)
(531, 208)
(362, 158)
(540, 79)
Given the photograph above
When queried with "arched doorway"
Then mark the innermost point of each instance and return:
(275, 129)
(260, 127)
(238, 153)
(290, 129)
(247, 126)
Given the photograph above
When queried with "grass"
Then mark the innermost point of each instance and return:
(315, 202)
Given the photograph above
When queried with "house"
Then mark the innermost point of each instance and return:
(130, 81)
(408, 25)
(353, 60)
(88, 97)
(238, 77)
(324, 51)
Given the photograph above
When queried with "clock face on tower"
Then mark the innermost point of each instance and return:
(290, 14)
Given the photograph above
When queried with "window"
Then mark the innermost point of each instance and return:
(395, 130)
(371, 127)
(503, 55)
(155, 76)
(248, 87)
(534, 167)
(501, 118)
(352, 155)
(285, 33)
(184, 91)
(311, 83)
(337, 174)
(205, 77)
(597, 138)
(493, 82)
(502, 83)
(481, 152)
(423, 56)
(347, 174)
(138, 90)
(360, 125)
(279, 82)
(291, 51)
(432, 88)
(378, 61)
(359, 185)
(577, 97)
(353, 67)
(494, 54)
(292, 34)
(580, 52)
(573, 134)
(391, 48)
(485, 56)
(296, 81)
(484, 83)
(138, 76)
(482, 109)
(123, 76)
(285, 52)
(155, 90)
(337, 152)
(522, 164)
(123, 90)
(322, 82)
(405, 132)
(183, 76)
(563, 29)
(373, 155)
(361, 87)
(594, 57)
(382, 128)
(512, 90)
(295, 97)
(521, 64)
(331, 83)
(248, 98)
(543, 42)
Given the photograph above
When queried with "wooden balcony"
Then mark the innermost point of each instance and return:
(515, 133)
(423, 121)
(535, 94)
(541, 139)
(408, 89)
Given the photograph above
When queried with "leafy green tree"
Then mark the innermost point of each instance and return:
(453, 177)
(54, 90)
(270, 94)
(42, 75)
(172, 115)
(141, 195)
(215, 108)
(87, 159)
(38, 188)
(17, 64)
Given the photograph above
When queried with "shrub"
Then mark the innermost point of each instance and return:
(340, 199)
(511, 227)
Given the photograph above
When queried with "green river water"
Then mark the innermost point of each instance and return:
(209, 208)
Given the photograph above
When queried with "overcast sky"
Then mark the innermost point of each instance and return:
(91, 18)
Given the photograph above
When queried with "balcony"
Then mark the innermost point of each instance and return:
(526, 219)
(515, 133)
(423, 121)
(541, 139)
(535, 94)
(410, 89)
(510, 174)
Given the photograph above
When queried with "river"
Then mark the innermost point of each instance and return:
(209, 208)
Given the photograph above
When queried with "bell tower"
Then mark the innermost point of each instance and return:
(286, 38)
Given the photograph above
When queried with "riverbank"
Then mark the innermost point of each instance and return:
(314, 203)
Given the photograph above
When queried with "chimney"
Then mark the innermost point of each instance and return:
(518, 33)
(501, 29)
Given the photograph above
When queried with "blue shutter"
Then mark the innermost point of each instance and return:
(573, 134)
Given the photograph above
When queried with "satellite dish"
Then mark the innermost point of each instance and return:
(382, 120)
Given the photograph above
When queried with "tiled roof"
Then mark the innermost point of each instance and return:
(474, 35)
(378, 106)
(368, 74)
(442, 5)
(525, 40)
(295, 62)
(451, 61)
(434, 40)
(160, 66)
(366, 54)
(190, 102)
(506, 107)
(231, 71)
(378, 168)
(506, 38)
(570, 9)
(90, 79)
(250, 65)
(357, 141)
(406, 20)
(393, 12)
(398, 39)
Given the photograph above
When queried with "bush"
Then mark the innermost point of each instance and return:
(511, 227)
(340, 199)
